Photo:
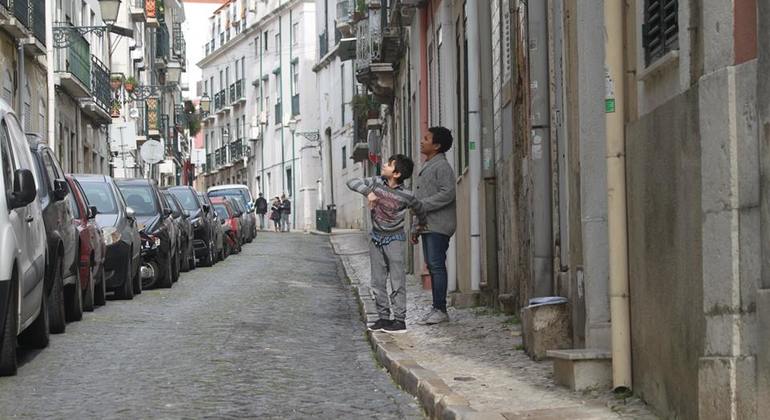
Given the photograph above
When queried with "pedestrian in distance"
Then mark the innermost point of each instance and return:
(261, 206)
(389, 201)
(285, 214)
(435, 188)
(275, 214)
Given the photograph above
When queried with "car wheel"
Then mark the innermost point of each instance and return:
(74, 302)
(56, 308)
(208, 260)
(168, 275)
(36, 335)
(100, 292)
(8, 363)
(88, 296)
(126, 291)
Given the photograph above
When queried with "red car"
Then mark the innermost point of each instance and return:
(91, 246)
(231, 223)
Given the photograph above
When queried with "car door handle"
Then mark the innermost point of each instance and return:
(29, 219)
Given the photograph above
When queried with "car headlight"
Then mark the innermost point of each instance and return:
(150, 242)
(111, 235)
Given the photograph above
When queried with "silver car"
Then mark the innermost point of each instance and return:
(23, 305)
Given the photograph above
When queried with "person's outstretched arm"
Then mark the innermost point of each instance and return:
(363, 186)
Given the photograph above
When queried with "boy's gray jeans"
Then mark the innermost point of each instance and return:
(389, 259)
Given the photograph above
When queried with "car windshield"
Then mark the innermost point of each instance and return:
(186, 198)
(232, 193)
(140, 198)
(221, 210)
(100, 195)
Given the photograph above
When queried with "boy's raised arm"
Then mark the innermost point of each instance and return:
(361, 185)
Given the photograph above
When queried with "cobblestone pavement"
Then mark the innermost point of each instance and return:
(270, 333)
(478, 356)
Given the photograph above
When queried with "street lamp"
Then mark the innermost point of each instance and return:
(205, 103)
(109, 12)
(174, 72)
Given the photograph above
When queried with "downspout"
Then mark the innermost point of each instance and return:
(259, 121)
(474, 131)
(616, 196)
(51, 102)
(22, 87)
(280, 87)
(295, 169)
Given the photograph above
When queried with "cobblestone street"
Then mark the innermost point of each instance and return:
(270, 333)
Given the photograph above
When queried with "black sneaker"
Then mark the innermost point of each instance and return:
(380, 325)
(395, 327)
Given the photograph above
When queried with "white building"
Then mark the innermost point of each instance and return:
(336, 89)
(262, 128)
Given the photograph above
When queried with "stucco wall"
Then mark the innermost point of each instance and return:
(665, 265)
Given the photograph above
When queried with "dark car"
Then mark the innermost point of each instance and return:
(204, 233)
(118, 224)
(231, 223)
(184, 227)
(240, 193)
(219, 232)
(91, 244)
(65, 302)
(160, 259)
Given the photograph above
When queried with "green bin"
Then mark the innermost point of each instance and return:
(322, 222)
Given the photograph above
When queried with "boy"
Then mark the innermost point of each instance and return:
(389, 201)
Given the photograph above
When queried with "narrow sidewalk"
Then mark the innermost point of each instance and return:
(472, 367)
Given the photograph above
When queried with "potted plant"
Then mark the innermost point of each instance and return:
(360, 10)
(130, 84)
(115, 110)
(116, 80)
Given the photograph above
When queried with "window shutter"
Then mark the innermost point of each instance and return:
(660, 31)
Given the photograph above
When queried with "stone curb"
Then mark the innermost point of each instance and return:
(435, 396)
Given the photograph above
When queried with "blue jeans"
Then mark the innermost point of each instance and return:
(434, 247)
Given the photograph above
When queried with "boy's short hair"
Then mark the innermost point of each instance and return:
(403, 165)
(443, 137)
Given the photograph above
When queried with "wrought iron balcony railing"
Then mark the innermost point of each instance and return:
(162, 42)
(38, 20)
(240, 93)
(209, 162)
(232, 94)
(76, 59)
(100, 84)
(236, 150)
(21, 10)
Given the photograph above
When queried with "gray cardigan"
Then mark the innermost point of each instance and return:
(435, 188)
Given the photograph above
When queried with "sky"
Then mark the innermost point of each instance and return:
(197, 13)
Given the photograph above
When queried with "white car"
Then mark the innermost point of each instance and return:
(23, 308)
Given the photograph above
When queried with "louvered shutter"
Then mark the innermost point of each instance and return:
(660, 31)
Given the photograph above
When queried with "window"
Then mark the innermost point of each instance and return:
(278, 87)
(227, 77)
(221, 79)
(344, 157)
(289, 183)
(295, 33)
(295, 78)
(265, 38)
(277, 42)
(660, 31)
(342, 94)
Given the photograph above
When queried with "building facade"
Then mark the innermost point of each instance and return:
(262, 127)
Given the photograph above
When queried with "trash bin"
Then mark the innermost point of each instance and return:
(332, 209)
(322, 221)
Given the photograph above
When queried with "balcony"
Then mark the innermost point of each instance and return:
(73, 67)
(136, 9)
(98, 105)
(278, 113)
(236, 150)
(16, 19)
(209, 163)
(220, 100)
(151, 13)
(231, 97)
(37, 43)
(162, 46)
(378, 48)
(179, 46)
(220, 157)
(345, 20)
(295, 105)
(240, 92)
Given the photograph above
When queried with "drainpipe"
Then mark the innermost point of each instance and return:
(22, 88)
(474, 130)
(259, 121)
(283, 103)
(295, 169)
(616, 196)
(51, 102)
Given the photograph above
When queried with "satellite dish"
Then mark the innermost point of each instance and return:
(152, 151)
(133, 114)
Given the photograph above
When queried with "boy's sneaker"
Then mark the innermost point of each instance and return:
(395, 327)
(437, 317)
(379, 325)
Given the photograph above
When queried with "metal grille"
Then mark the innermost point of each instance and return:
(100, 83)
(21, 11)
(38, 21)
(660, 31)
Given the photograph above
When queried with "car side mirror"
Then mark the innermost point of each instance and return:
(60, 189)
(167, 212)
(24, 191)
(92, 212)
(206, 208)
(130, 213)
(185, 214)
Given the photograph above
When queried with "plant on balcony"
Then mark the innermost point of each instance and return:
(130, 84)
(360, 12)
(116, 80)
(364, 108)
(115, 108)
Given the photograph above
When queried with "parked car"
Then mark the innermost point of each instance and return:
(91, 245)
(23, 285)
(243, 195)
(62, 236)
(160, 259)
(118, 224)
(216, 226)
(230, 222)
(204, 234)
(185, 238)
(244, 216)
